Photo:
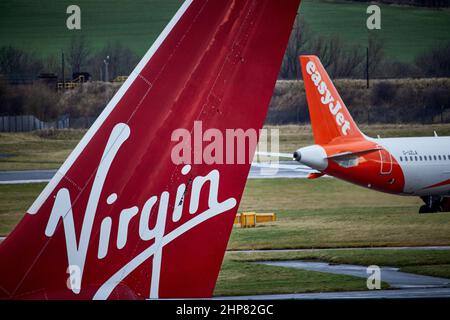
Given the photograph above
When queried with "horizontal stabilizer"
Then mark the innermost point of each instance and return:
(347, 154)
(315, 175)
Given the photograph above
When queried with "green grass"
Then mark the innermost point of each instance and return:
(48, 149)
(329, 213)
(364, 257)
(240, 275)
(437, 270)
(318, 213)
(40, 26)
(407, 31)
(37, 150)
(322, 213)
(247, 278)
(15, 199)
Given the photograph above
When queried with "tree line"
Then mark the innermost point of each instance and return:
(342, 60)
(19, 65)
(385, 101)
(402, 100)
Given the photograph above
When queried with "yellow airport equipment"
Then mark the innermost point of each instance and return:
(68, 85)
(266, 217)
(250, 219)
(120, 79)
(72, 84)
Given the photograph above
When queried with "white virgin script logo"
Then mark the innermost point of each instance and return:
(76, 251)
(327, 98)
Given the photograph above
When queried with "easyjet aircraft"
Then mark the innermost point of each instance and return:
(406, 166)
(120, 219)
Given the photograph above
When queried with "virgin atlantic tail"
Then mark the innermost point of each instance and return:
(121, 219)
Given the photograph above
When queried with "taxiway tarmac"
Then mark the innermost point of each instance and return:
(415, 293)
(285, 169)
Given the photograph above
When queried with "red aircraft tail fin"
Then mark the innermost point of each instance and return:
(330, 118)
(121, 218)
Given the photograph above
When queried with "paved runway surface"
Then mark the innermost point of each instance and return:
(26, 176)
(284, 169)
(372, 294)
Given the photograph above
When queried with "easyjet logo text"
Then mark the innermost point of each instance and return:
(327, 98)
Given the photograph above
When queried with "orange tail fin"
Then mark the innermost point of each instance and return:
(330, 118)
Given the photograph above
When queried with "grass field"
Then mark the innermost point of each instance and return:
(323, 213)
(37, 150)
(47, 150)
(311, 214)
(329, 213)
(40, 26)
(240, 275)
(247, 278)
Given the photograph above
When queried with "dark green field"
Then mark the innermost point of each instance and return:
(40, 26)
(407, 31)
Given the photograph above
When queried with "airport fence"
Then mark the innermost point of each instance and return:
(28, 123)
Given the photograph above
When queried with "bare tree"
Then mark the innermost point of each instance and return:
(298, 43)
(435, 62)
(52, 64)
(78, 53)
(18, 64)
(122, 60)
(376, 54)
(339, 60)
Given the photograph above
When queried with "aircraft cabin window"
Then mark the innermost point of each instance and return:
(439, 157)
(401, 158)
(434, 157)
(415, 158)
(406, 159)
(420, 158)
(411, 158)
(445, 158)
